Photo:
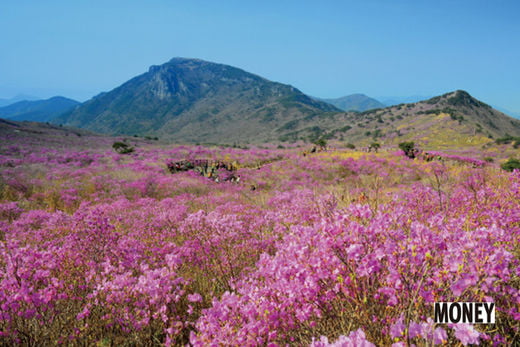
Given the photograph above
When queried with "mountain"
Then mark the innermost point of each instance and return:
(21, 97)
(191, 100)
(354, 102)
(195, 101)
(39, 110)
(454, 119)
(396, 100)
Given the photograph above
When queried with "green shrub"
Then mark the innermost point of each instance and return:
(321, 142)
(122, 148)
(507, 140)
(511, 164)
(408, 148)
(345, 128)
(374, 146)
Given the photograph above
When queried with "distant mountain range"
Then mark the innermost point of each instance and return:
(20, 97)
(452, 120)
(191, 100)
(39, 110)
(354, 102)
(195, 101)
(396, 100)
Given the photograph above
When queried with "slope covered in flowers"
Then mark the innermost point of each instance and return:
(337, 247)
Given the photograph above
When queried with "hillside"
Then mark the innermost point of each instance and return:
(450, 120)
(355, 102)
(191, 100)
(38, 110)
(41, 135)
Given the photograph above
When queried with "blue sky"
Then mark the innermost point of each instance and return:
(325, 48)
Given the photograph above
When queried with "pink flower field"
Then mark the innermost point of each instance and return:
(336, 248)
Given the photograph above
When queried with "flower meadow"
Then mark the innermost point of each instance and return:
(337, 248)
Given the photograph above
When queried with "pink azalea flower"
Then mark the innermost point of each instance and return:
(466, 334)
(196, 297)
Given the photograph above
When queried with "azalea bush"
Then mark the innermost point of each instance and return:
(333, 248)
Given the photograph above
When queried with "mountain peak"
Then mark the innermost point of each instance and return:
(179, 62)
(463, 98)
(184, 60)
(460, 92)
(192, 100)
(458, 98)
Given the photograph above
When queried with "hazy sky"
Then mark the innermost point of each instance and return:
(79, 48)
